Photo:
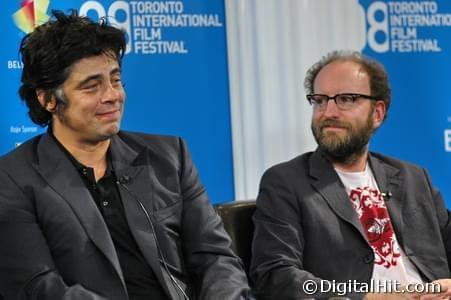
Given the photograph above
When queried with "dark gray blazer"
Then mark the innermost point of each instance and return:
(55, 243)
(306, 227)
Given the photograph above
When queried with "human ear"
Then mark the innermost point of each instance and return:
(46, 99)
(379, 113)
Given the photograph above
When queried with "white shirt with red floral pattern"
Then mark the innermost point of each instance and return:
(390, 262)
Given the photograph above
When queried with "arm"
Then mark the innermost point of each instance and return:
(442, 215)
(277, 262)
(215, 271)
(27, 270)
(444, 219)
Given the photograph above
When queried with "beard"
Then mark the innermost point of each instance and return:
(343, 149)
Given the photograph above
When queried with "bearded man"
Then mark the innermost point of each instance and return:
(344, 221)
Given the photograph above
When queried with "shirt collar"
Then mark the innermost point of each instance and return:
(87, 172)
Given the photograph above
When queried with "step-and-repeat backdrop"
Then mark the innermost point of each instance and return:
(175, 72)
(413, 40)
(176, 77)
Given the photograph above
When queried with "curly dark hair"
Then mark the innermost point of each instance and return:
(379, 82)
(52, 48)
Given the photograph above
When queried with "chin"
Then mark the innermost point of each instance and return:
(333, 137)
(108, 133)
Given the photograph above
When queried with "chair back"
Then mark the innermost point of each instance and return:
(237, 218)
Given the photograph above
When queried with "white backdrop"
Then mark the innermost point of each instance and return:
(271, 44)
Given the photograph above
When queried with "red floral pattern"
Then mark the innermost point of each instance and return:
(373, 214)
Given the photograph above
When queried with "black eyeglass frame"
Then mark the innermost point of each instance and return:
(354, 97)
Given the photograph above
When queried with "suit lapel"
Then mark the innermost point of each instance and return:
(329, 185)
(63, 178)
(137, 190)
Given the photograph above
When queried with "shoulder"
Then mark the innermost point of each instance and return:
(26, 153)
(407, 171)
(400, 165)
(140, 139)
(293, 169)
(295, 165)
(156, 147)
(164, 144)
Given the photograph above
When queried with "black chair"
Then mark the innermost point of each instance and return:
(237, 218)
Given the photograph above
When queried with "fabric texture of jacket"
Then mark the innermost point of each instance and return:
(56, 245)
(306, 227)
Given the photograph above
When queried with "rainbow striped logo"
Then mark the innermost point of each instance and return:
(31, 14)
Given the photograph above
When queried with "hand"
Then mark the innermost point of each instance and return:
(437, 294)
(391, 296)
(445, 291)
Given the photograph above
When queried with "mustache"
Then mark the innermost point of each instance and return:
(333, 122)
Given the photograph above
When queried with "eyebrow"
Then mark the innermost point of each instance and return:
(96, 77)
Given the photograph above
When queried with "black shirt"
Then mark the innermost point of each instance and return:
(139, 278)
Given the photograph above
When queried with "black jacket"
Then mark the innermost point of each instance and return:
(306, 228)
(55, 244)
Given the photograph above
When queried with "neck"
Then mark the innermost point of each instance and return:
(355, 163)
(93, 156)
(90, 154)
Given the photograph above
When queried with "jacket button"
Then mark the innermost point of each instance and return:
(368, 259)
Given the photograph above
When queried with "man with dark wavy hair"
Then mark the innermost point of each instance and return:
(91, 212)
(343, 220)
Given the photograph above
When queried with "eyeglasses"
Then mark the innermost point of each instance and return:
(343, 101)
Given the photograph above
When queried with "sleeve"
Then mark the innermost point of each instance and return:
(277, 266)
(215, 271)
(27, 270)
(444, 218)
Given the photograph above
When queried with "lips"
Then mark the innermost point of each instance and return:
(333, 126)
(107, 112)
(108, 109)
(109, 115)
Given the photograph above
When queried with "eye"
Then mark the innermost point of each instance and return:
(116, 80)
(345, 98)
(319, 99)
(91, 86)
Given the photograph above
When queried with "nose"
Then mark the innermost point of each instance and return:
(112, 93)
(331, 109)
